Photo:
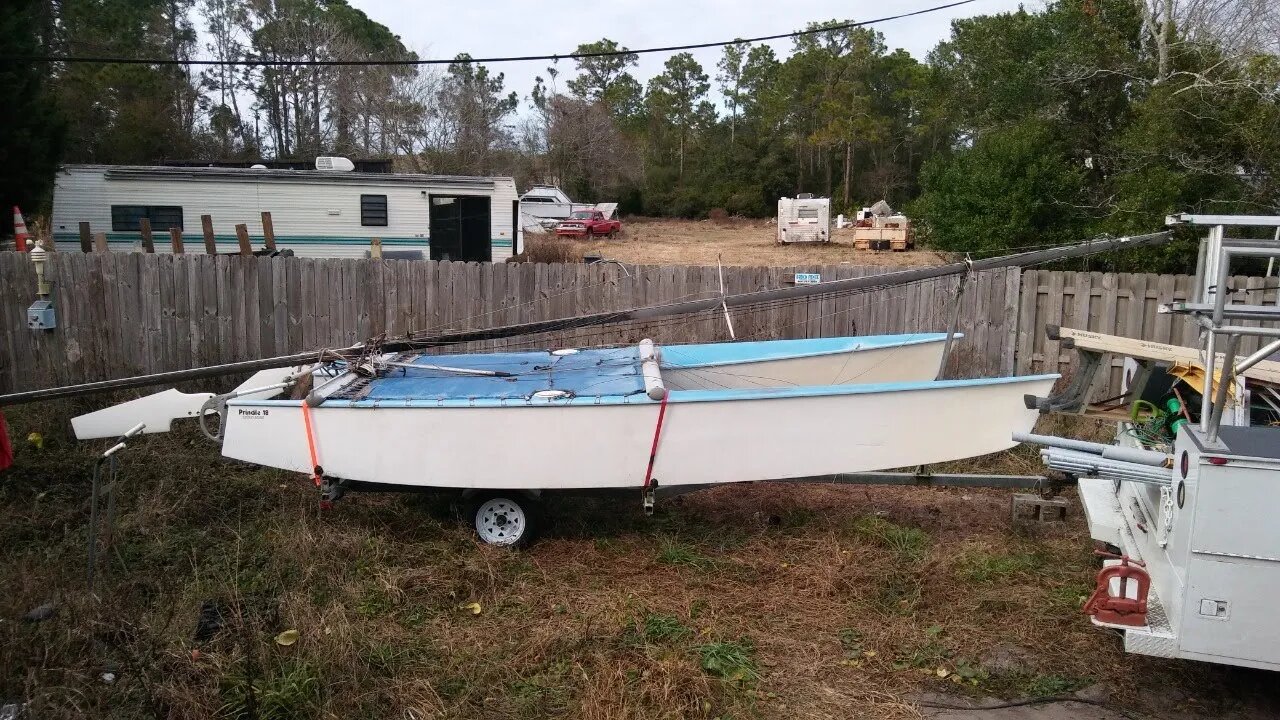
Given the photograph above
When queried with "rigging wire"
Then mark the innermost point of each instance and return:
(544, 338)
(616, 327)
(571, 323)
(555, 57)
(445, 326)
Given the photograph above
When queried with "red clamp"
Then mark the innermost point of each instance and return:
(1120, 609)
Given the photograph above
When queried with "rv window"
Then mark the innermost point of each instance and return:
(125, 218)
(538, 199)
(373, 210)
(807, 213)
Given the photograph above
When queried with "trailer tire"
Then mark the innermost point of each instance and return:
(508, 519)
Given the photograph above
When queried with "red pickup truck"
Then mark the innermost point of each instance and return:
(588, 224)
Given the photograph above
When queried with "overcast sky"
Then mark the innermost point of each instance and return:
(444, 28)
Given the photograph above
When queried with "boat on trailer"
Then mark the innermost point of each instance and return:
(387, 413)
(638, 417)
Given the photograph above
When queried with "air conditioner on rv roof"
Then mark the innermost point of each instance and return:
(335, 164)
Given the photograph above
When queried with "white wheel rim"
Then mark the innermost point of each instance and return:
(500, 522)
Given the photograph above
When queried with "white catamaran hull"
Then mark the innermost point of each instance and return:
(758, 435)
(910, 358)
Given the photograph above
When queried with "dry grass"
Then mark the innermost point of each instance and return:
(759, 601)
(549, 249)
(739, 241)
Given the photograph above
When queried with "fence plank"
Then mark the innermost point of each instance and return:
(250, 335)
(322, 301)
(229, 296)
(14, 325)
(8, 377)
(210, 240)
(213, 327)
(133, 326)
(268, 231)
(195, 308)
(242, 237)
(280, 308)
(65, 300)
(306, 306)
(168, 335)
(88, 287)
(293, 307)
(144, 229)
(1054, 315)
(1012, 308)
(86, 238)
(1164, 321)
(1135, 320)
(266, 327)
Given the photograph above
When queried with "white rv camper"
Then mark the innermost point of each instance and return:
(314, 213)
(804, 218)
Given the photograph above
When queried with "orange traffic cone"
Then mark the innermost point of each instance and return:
(21, 238)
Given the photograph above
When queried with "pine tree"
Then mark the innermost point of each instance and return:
(31, 130)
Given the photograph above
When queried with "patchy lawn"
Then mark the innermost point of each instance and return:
(650, 241)
(754, 601)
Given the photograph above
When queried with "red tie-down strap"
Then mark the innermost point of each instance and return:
(6, 450)
(657, 435)
(317, 473)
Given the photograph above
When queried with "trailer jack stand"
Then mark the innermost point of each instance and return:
(331, 491)
(649, 497)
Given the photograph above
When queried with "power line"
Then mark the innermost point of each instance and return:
(489, 60)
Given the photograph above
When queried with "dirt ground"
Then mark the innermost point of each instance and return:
(739, 242)
(761, 601)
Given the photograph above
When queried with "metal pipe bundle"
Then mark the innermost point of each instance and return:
(1110, 452)
(1096, 465)
(1112, 462)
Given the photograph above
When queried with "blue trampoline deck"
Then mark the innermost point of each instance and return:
(612, 372)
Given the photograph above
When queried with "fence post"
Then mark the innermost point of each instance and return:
(242, 235)
(175, 237)
(268, 231)
(86, 238)
(144, 227)
(210, 242)
(100, 242)
(375, 248)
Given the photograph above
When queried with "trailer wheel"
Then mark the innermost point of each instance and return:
(508, 519)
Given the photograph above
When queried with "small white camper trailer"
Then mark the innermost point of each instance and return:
(315, 213)
(804, 218)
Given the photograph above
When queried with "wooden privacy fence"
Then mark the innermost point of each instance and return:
(123, 314)
(1122, 304)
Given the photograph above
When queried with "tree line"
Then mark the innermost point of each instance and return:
(1022, 128)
